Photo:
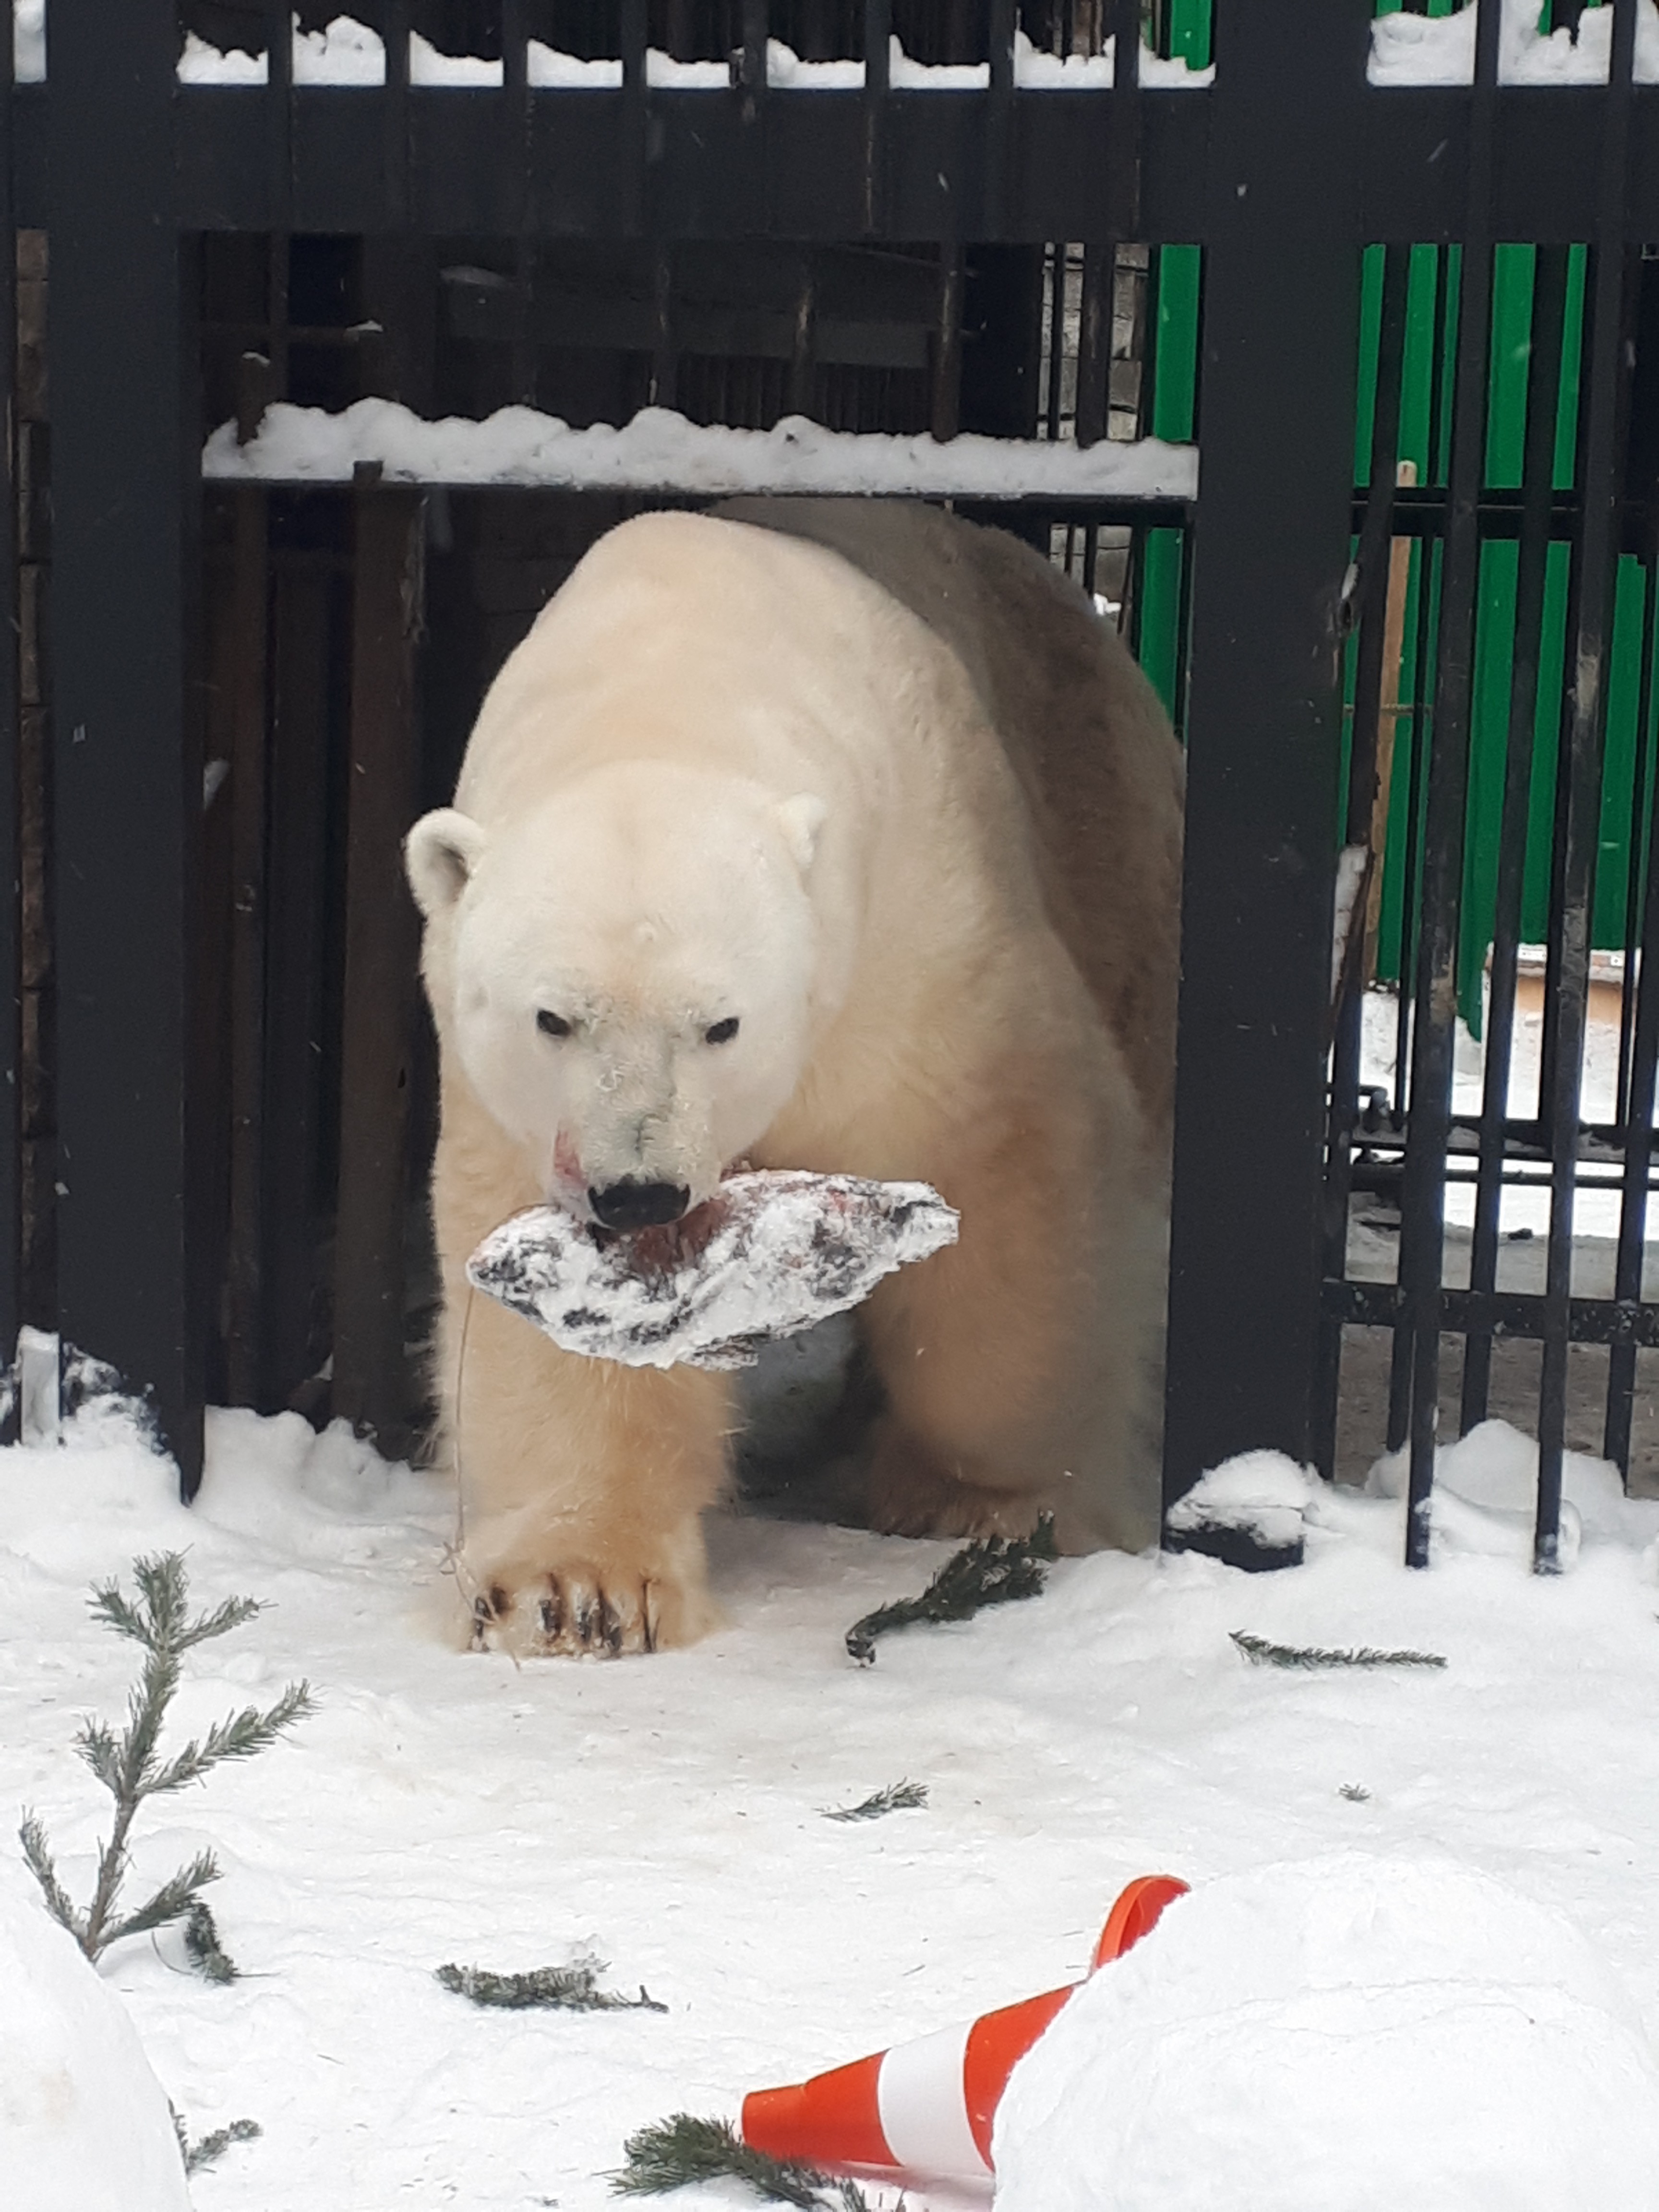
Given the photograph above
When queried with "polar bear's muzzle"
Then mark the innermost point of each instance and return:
(634, 1204)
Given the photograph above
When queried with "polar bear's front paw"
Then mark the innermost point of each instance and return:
(576, 1613)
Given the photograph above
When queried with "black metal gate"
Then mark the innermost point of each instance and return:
(195, 964)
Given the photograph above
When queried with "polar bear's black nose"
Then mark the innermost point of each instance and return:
(632, 1205)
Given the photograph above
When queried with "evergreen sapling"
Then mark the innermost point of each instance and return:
(131, 1768)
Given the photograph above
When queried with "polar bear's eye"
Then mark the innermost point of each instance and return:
(552, 1024)
(722, 1032)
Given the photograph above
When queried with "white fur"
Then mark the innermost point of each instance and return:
(728, 776)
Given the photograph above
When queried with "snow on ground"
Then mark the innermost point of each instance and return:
(667, 1811)
(660, 449)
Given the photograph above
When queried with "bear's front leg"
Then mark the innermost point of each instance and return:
(582, 1486)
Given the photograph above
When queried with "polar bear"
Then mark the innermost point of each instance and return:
(831, 835)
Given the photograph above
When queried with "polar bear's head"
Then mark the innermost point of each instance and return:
(627, 977)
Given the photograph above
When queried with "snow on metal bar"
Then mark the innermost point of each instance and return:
(349, 52)
(1419, 50)
(660, 450)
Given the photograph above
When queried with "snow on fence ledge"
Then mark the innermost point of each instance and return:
(661, 451)
(349, 52)
(1419, 50)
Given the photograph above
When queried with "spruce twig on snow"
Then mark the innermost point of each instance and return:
(992, 1571)
(575, 1988)
(897, 1797)
(213, 2145)
(207, 1953)
(130, 1765)
(684, 2149)
(1262, 1653)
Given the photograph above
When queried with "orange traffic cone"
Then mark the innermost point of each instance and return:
(928, 2107)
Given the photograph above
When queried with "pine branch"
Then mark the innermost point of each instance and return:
(239, 1735)
(206, 1953)
(575, 1988)
(232, 1613)
(110, 1605)
(37, 1856)
(995, 1570)
(1262, 1653)
(171, 1902)
(127, 1765)
(214, 2145)
(97, 1746)
(897, 1797)
(684, 2149)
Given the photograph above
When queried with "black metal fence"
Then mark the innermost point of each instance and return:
(219, 1186)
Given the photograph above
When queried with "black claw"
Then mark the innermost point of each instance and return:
(584, 1625)
(648, 1617)
(552, 1613)
(610, 1627)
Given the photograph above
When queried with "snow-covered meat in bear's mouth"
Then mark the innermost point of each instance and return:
(767, 1255)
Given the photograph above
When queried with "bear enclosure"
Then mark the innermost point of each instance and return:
(1326, 354)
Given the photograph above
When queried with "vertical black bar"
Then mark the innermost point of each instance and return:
(945, 410)
(999, 120)
(878, 70)
(664, 386)
(246, 677)
(296, 889)
(1280, 315)
(1368, 602)
(1637, 1131)
(1611, 298)
(1422, 1230)
(1422, 719)
(1094, 342)
(1537, 478)
(752, 62)
(1094, 367)
(377, 1026)
(395, 148)
(515, 198)
(1057, 279)
(804, 343)
(1422, 740)
(11, 856)
(129, 774)
(1641, 771)
(279, 125)
(631, 150)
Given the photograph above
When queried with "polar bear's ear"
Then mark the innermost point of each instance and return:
(441, 853)
(800, 818)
